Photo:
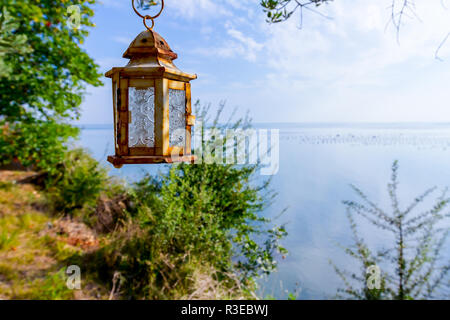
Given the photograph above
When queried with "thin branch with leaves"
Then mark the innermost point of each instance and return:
(413, 266)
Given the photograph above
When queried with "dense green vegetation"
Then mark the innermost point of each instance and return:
(77, 182)
(202, 215)
(42, 80)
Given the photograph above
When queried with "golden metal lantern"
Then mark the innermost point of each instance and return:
(152, 104)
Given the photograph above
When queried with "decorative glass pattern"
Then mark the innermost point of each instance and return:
(177, 118)
(142, 112)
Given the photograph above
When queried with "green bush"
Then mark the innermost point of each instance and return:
(195, 216)
(213, 211)
(77, 182)
(39, 145)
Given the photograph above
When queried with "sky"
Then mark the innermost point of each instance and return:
(343, 65)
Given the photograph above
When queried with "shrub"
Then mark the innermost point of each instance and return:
(39, 145)
(77, 183)
(204, 215)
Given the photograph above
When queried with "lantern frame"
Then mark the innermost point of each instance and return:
(151, 66)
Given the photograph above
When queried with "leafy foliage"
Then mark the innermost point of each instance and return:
(46, 77)
(420, 270)
(10, 43)
(281, 10)
(41, 144)
(77, 182)
(222, 207)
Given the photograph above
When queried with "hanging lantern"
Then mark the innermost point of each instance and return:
(152, 103)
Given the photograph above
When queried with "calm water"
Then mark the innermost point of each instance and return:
(317, 165)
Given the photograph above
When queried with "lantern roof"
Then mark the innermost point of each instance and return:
(151, 56)
(150, 41)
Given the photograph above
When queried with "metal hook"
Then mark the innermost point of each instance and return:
(145, 22)
(148, 17)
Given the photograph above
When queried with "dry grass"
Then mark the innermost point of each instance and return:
(11, 176)
(34, 245)
(207, 287)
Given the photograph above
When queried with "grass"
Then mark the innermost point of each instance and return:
(32, 261)
(53, 287)
(7, 240)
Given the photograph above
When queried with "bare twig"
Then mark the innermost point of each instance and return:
(117, 281)
(436, 55)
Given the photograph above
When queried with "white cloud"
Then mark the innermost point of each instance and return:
(355, 60)
(249, 46)
(361, 48)
(237, 45)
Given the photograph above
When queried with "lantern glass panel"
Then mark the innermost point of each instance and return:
(177, 117)
(142, 113)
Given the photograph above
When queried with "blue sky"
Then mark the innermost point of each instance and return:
(347, 68)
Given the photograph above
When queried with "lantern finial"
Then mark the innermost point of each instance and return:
(148, 17)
